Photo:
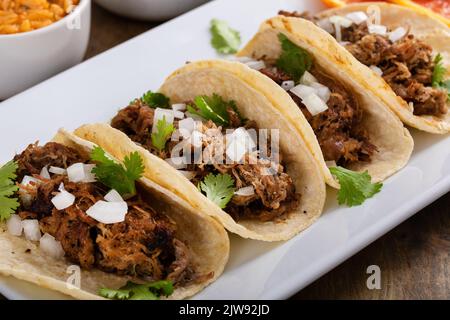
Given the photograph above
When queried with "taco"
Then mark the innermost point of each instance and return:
(81, 224)
(408, 54)
(224, 109)
(344, 124)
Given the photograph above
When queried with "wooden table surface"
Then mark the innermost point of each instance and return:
(414, 258)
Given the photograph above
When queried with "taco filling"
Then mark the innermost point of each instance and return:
(330, 107)
(231, 172)
(405, 62)
(63, 204)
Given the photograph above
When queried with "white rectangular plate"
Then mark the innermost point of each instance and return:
(94, 90)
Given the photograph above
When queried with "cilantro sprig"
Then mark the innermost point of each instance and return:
(213, 108)
(135, 291)
(8, 205)
(218, 188)
(293, 60)
(155, 100)
(162, 133)
(116, 176)
(356, 187)
(224, 39)
(439, 72)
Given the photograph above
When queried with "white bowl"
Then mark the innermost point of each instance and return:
(31, 57)
(154, 10)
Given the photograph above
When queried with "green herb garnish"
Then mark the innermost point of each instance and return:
(162, 133)
(293, 60)
(218, 188)
(213, 108)
(356, 187)
(134, 291)
(439, 72)
(224, 39)
(8, 205)
(155, 100)
(122, 178)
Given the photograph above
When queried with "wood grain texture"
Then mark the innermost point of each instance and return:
(414, 258)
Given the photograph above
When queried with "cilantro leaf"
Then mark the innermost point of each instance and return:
(293, 60)
(224, 39)
(218, 188)
(438, 71)
(162, 133)
(213, 108)
(8, 205)
(439, 74)
(116, 176)
(356, 187)
(134, 291)
(155, 100)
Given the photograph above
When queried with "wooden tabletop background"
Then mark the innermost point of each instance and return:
(414, 258)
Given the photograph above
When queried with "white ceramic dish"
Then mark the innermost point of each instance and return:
(30, 57)
(153, 10)
(96, 89)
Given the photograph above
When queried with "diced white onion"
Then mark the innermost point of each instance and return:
(63, 200)
(314, 104)
(322, 91)
(377, 70)
(178, 114)
(307, 78)
(302, 91)
(26, 197)
(160, 114)
(326, 25)
(377, 29)
(108, 212)
(113, 196)
(31, 230)
(239, 142)
(357, 16)
(288, 85)
(14, 225)
(80, 172)
(341, 21)
(197, 139)
(61, 187)
(177, 162)
(243, 136)
(344, 43)
(245, 191)
(188, 174)
(76, 172)
(44, 173)
(257, 65)
(186, 127)
(179, 107)
(397, 34)
(50, 246)
(331, 163)
(57, 170)
(27, 179)
(236, 150)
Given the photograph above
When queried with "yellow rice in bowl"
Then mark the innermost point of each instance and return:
(26, 15)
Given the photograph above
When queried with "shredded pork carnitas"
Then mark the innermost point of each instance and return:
(143, 246)
(407, 65)
(339, 129)
(274, 194)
